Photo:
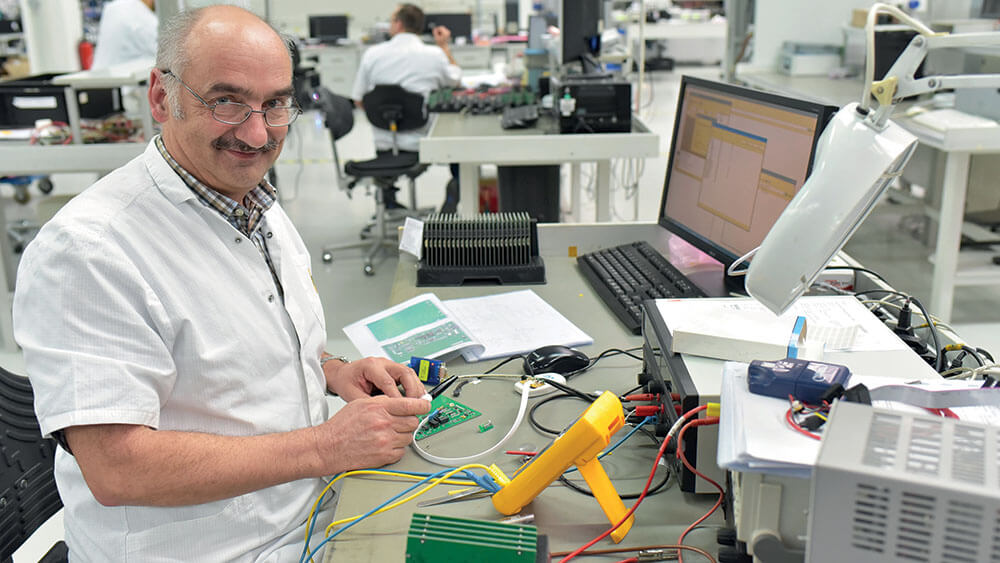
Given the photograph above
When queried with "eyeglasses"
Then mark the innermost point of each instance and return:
(235, 113)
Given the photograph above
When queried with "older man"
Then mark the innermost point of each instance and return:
(173, 334)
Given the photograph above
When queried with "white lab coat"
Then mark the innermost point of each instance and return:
(406, 61)
(138, 304)
(127, 31)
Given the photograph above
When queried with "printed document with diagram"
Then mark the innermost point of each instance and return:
(478, 328)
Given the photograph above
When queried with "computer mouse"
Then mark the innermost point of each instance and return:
(555, 358)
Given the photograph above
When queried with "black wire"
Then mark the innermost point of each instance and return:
(858, 269)
(985, 354)
(607, 354)
(938, 352)
(627, 496)
(503, 363)
(538, 426)
(975, 354)
(632, 390)
(570, 391)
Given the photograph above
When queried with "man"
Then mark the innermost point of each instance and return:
(406, 61)
(173, 334)
(127, 31)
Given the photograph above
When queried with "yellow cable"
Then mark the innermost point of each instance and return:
(434, 483)
(359, 472)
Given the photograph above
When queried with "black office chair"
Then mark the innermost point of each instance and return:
(28, 495)
(392, 108)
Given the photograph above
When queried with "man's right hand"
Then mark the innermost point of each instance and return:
(442, 35)
(368, 433)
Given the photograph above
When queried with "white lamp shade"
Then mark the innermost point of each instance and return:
(854, 164)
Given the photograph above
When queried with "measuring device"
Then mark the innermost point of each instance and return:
(578, 446)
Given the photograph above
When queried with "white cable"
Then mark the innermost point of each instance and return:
(732, 271)
(870, 42)
(457, 461)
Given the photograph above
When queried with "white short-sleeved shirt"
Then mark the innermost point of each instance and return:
(410, 63)
(138, 304)
(127, 31)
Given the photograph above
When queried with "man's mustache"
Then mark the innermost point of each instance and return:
(231, 143)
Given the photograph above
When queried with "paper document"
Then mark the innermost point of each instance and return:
(480, 328)
(755, 437)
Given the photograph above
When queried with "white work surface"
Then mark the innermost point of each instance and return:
(472, 140)
(957, 148)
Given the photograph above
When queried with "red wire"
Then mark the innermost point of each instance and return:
(797, 428)
(680, 454)
(652, 473)
(519, 452)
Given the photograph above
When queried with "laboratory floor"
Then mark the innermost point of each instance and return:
(890, 241)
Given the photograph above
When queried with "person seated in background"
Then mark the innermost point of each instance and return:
(405, 60)
(127, 32)
(174, 337)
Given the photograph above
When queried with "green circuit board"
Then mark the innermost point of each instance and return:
(452, 413)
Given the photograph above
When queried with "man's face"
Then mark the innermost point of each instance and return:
(231, 159)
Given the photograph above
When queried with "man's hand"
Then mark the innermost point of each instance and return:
(442, 35)
(368, 433)
(360, 378)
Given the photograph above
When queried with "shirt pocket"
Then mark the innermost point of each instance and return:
(224, 530)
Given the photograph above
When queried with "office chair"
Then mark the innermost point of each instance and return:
(28, 495)
(392, 108)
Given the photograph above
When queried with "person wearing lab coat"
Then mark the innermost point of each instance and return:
(127, 31)
(175, 339)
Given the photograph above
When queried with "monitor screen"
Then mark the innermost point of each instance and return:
(328, 28)
(460, 25)
(580, 29)
(737, 158)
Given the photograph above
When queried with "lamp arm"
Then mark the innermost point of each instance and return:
(900, 82)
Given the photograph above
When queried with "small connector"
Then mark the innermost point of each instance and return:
(656, 555)
(643, 397)
(648, 410)
(713, 409)
(498, 475)
(813, 422)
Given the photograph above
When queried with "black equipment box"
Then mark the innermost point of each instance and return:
(26, 100)
(587, 104)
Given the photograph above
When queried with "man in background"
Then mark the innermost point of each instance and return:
(405, 60)
(127, 32)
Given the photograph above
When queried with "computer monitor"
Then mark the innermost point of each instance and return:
(579, 29)
(990, 9)
(328, 28)
(460, 25)
(737, 158)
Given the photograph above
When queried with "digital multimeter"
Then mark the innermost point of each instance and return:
(578, 446)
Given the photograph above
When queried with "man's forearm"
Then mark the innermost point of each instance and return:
(136, 465)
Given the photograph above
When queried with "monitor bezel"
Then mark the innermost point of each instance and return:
(824, 115)
(338, 17)
(466, 18)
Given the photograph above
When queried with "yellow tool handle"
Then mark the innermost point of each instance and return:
(606, 495)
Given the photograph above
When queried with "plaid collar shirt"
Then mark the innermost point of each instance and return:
(246, 217)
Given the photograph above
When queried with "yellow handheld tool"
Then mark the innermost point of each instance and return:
(578, 446)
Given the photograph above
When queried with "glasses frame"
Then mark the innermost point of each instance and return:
(249, 109)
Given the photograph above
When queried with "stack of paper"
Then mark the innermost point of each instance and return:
(755, 437)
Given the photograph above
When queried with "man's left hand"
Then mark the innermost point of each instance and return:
(361, 378)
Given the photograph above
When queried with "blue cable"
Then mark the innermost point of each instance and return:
(312, 530)
(635, 429)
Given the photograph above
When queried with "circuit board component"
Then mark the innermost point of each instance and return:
(449, 413)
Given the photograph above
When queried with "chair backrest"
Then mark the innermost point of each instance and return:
(389, 103)
(28, 495)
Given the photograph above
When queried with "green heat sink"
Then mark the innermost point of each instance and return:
(436, 539)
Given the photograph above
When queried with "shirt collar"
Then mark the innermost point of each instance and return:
(258, 200)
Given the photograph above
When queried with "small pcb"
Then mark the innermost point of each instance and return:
(451, 413)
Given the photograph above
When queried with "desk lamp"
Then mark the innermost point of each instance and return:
(857, 156)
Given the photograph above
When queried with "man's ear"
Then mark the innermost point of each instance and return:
(158, 96)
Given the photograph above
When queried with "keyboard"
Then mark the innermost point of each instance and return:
(625, 275)
(518, 117)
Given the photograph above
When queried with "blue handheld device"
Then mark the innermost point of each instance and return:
(805, 380)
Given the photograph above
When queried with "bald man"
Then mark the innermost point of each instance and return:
(173, 335)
